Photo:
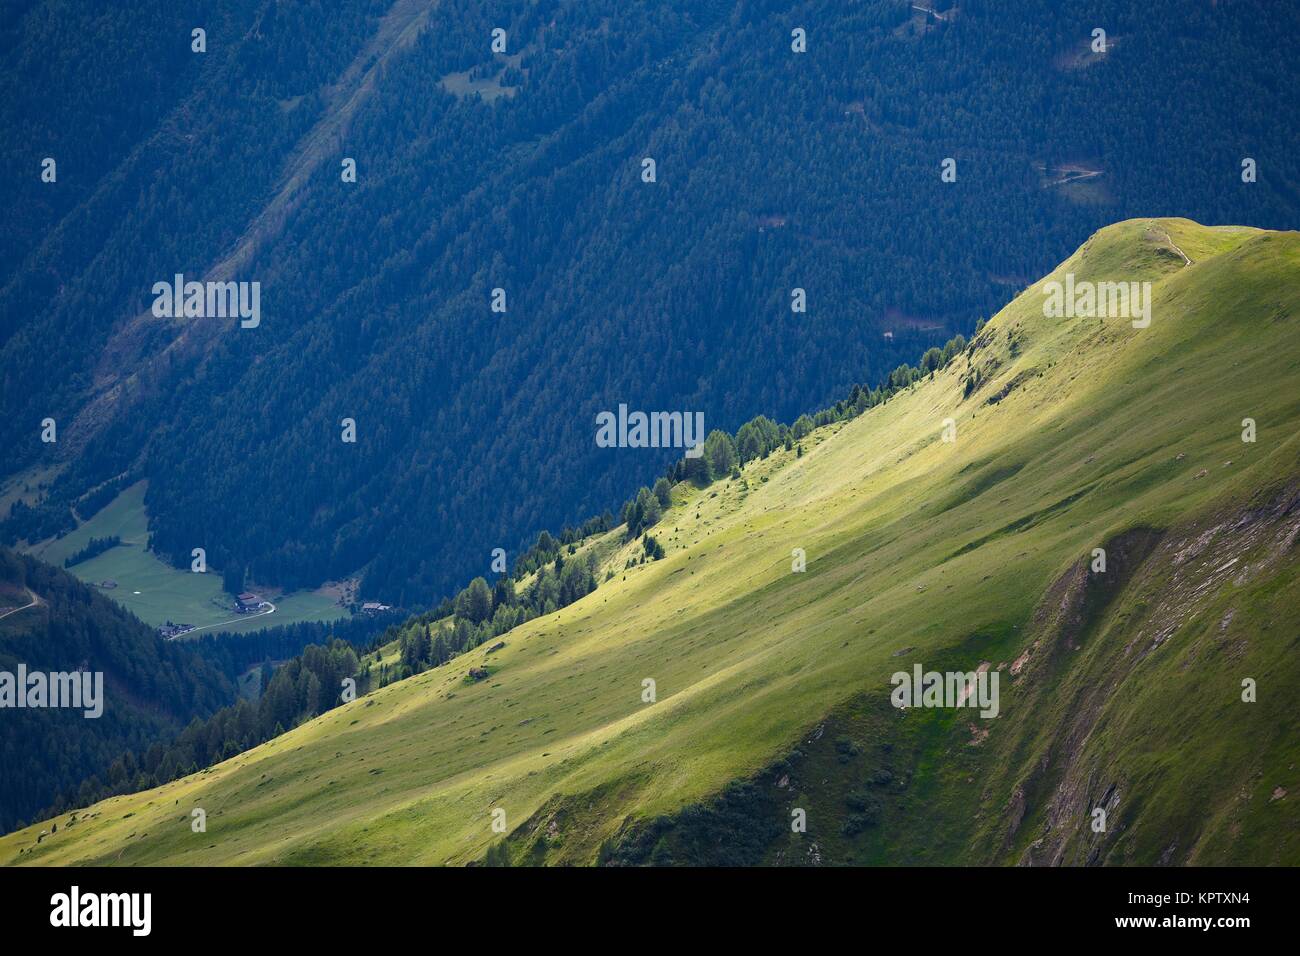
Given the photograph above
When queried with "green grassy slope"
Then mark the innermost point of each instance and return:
(919, 551)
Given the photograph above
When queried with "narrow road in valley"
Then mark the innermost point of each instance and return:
(195, 630)
(1074, 176)
(35, 600)
(937, 15)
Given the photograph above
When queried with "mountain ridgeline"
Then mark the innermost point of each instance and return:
(1098, 513)
(524, 171)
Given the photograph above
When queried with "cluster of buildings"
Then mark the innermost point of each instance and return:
(248, 602)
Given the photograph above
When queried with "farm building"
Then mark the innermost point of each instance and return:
(248, 601)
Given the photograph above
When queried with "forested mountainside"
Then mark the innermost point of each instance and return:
(695, 703)
(52, 623)
(523, 171)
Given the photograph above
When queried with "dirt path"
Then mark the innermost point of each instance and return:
(1177, 250)
(1161, 233)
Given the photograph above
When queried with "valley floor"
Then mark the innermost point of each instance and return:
(156, 592)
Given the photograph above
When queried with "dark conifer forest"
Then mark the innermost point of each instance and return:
(523, 172)
(152, 689)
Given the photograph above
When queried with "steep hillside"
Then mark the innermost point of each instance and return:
(775, 170)
(1120, 690)
(52, 623)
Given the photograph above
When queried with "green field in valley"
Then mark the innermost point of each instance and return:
(156, 592)
(1120, 690)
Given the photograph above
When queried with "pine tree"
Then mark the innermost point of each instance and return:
(475, 602)
(663, 491)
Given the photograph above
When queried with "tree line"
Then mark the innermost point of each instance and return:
(93, 548)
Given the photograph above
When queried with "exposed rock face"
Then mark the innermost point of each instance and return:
(1080, 652)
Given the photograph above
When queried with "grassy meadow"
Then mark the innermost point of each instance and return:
(155, 591)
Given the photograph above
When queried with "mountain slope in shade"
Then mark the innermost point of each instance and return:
(50, 622)
(1120, 691)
